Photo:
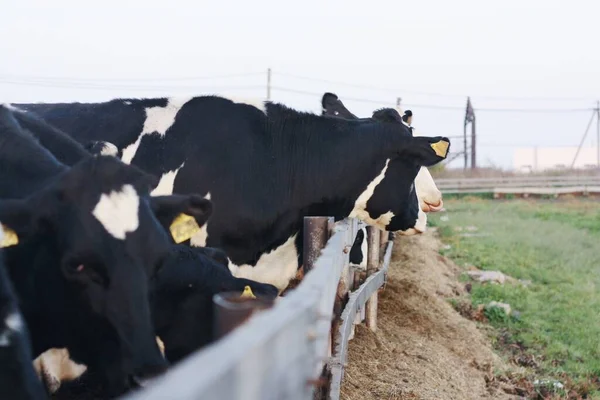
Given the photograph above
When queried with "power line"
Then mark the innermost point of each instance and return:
(438, 107)
(73, 85)
(400, 90)
(74, 80)
(96, 84)
(523, 145)
(135, 79)
(387, 89)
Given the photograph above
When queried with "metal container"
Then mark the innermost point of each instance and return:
(231, 311)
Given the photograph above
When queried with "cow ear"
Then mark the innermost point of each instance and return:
(16, 222)
(182, 215)
(328, 100)
(427, 151)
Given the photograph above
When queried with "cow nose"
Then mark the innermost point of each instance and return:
(430, 207)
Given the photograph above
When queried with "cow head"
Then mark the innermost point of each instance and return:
(390, 200)
(88, 244)
(429, 196)
(424, 192)
(185, 287)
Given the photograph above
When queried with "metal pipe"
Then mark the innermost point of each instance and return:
(231, 310)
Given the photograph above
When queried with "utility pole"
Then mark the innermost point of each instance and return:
(594, 115)
(466, 157)
(469, 117)
(473, 144)
(268, 84)
(598, 134)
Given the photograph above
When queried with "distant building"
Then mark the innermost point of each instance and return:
(529, 159)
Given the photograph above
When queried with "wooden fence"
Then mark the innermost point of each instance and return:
(285, 352)
(523, 185)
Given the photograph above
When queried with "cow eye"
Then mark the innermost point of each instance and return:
(74, 267)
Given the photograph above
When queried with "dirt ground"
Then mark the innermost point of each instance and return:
(423, 349)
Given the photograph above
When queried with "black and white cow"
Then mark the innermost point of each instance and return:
(170, 290)
(17, 378)
(181, 299)
(263, 165)
(88, 242)
(430, 197)
(181, 295)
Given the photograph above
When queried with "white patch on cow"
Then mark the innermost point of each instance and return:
(364, 249)
(54, 366)
(127, 102)
(118, 211)
(158, 120)
(419, 227)
(360, 205)
(430, 197)
(421, 224)
(166, 183)
(260, 104)
(109, 149)
(14, 324)
(199, 239)
(277, 267)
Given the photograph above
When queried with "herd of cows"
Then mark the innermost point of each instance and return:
(120, 220)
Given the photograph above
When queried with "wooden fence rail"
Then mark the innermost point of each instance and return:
(548, 185)
(280, 353)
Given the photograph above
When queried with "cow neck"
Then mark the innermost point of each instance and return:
(66, 149)
(26, 166)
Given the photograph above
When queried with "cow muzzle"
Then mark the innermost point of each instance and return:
(430, 207)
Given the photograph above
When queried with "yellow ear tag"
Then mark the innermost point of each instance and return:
(183, 228)
(9, 238)
(440, 148)
(247, 293)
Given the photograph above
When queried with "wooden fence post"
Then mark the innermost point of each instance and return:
(372, 266)
(383, 240)
(316, 234)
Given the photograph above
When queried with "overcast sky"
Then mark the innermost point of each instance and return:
(509, 54)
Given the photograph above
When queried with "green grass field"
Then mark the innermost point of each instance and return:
(554, 244)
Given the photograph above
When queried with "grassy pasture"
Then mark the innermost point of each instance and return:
(554, 244)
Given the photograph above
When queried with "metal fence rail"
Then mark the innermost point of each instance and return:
(356, 301)
(522, 185)
(280, 352)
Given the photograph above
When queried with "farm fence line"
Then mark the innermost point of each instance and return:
(534, 185)
(297, 348)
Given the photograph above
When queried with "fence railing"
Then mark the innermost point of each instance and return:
(522, 185)
(280, 353)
